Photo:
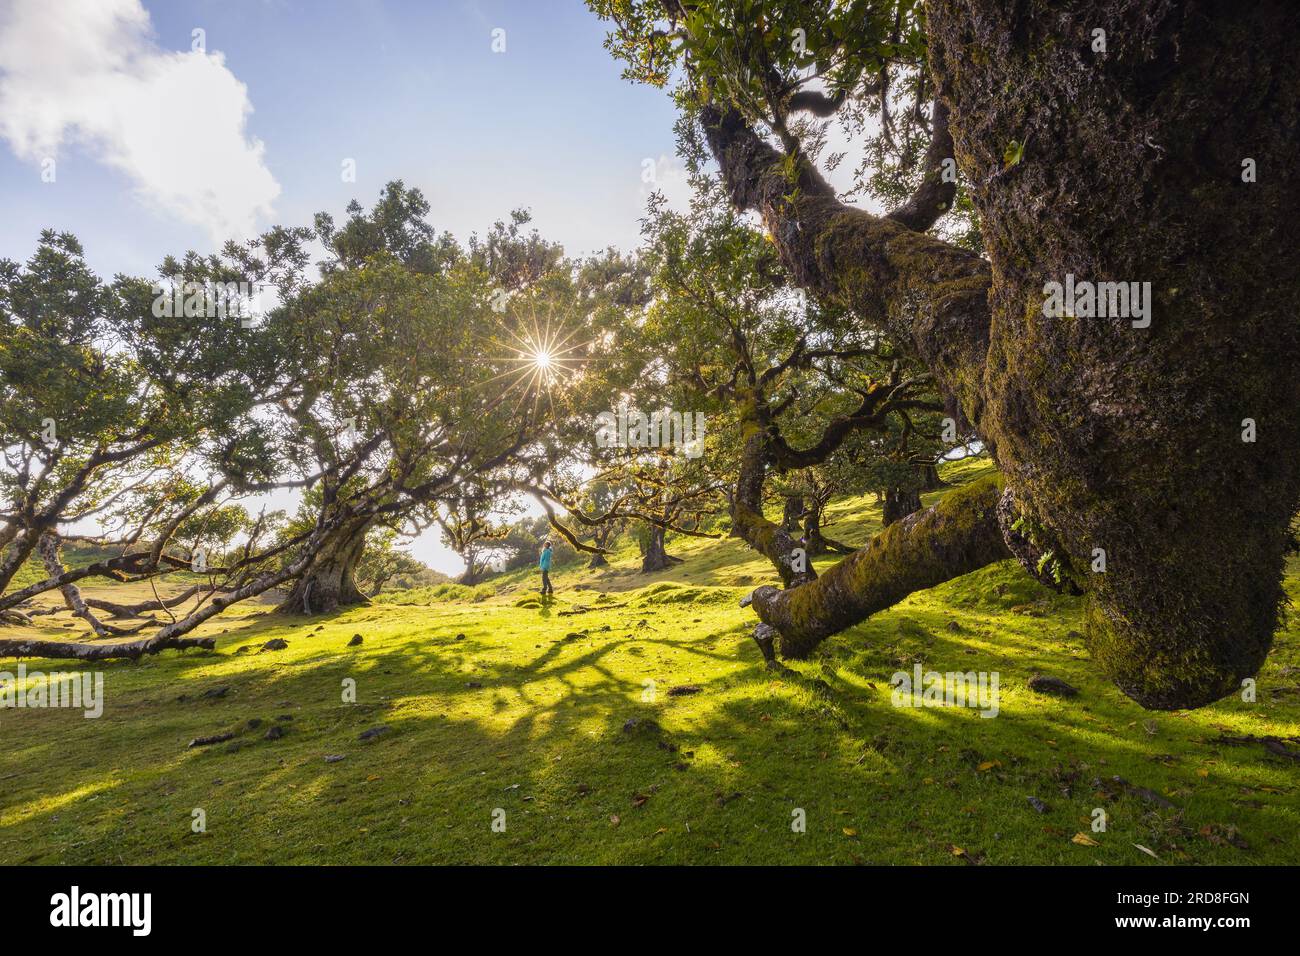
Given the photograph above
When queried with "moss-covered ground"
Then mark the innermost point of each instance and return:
(631, 721)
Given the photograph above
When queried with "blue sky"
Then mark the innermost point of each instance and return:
(157, 147)
(409, 90)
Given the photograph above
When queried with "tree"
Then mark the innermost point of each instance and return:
(788, 380)
(335, 392)
(1110, 142)
(469, 529)
(108, 401)
(394, 428)
(382, 562)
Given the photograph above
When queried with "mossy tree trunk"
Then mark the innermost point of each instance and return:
(791, 513)
(899, 503)
(1121, 442)
(601, 538)
(1129, 440)
(329, 580)
(958, 535)
(748, 522)
(655, 557)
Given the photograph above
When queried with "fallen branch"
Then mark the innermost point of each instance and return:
(1274, 745)
(583, 609)
(67, 650)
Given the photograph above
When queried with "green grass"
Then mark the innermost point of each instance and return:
(525, 713)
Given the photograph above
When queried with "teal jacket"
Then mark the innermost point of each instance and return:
(544, 562)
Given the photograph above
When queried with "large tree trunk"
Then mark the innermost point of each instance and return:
(749, 523)
(655, 557)
(1129, 439)
(1116, 439)
(600, 539)
(473, 573)
(899, 503)
(329, 580)
(133, 650)
(791, 513)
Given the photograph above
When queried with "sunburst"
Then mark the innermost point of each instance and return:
(541, 356)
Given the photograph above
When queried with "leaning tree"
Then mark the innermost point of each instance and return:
(786, 380)
(110, 406)
(428, 376)
(1148, 452)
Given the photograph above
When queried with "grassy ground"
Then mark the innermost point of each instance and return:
(504, 708)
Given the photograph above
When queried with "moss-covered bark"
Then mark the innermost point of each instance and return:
(774, 541)
(957, 535)
(1126, 439)
(655, 556)
(1121, 443)
(329, 580)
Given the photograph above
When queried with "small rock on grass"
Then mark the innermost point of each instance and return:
(275, 644)
(356, 639)
(1038, 805)
(335, 758)
(214, 739)
(640, 725)
(374, 732)
(682, 690)
(1045, 684)
(274, 733)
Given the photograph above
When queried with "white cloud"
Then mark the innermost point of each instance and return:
(89, 72)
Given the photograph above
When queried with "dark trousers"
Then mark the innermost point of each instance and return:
(546, 583)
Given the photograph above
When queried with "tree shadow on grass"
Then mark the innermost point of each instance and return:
(722, 774)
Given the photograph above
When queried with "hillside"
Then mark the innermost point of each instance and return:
(632, 721)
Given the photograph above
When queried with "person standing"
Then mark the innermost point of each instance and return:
(544, 562)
